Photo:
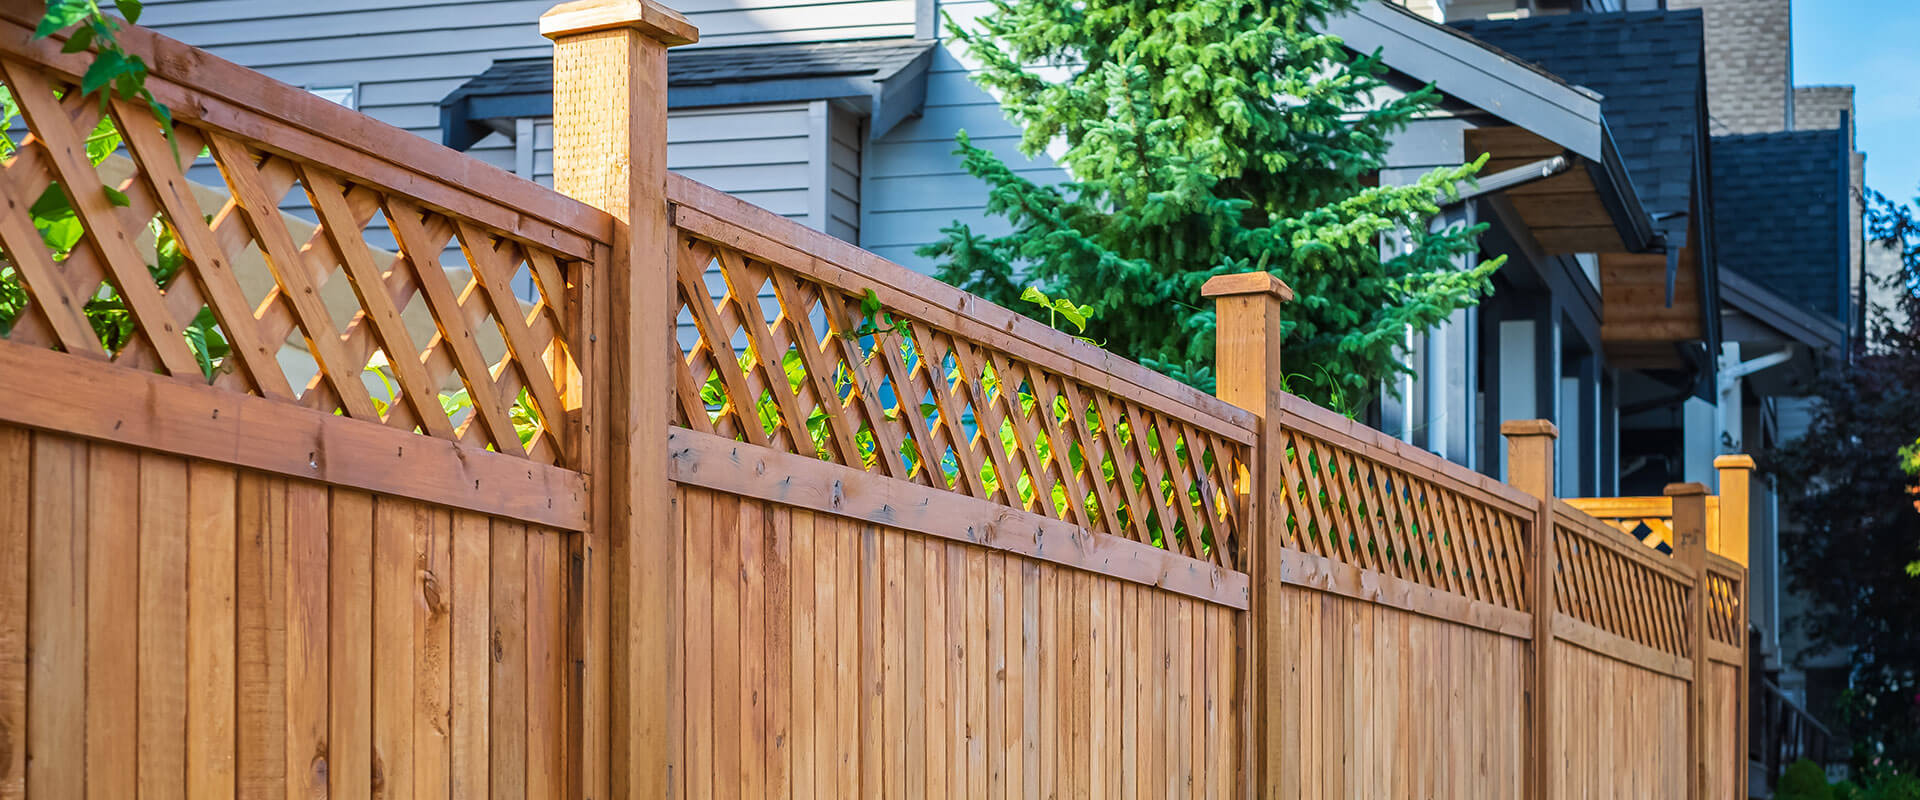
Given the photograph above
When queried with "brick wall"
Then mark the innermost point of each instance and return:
(1749, 63)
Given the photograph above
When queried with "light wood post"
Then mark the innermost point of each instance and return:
(1247, 361)
(1530, 469)
(1690, 550)
(1736, 477)
(610, 133)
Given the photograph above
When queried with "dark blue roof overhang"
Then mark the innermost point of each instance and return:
(1531, 99)
(886, 78)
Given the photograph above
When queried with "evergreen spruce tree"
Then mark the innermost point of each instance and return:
(1206, 137)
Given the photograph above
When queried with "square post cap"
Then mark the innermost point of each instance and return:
(646, 16)
(1685, 489)
(1530, 427)
(1247, 283)
(1736, 461)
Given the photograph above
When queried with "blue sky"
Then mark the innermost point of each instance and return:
(1875, 46)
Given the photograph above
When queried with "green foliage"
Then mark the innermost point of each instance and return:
(123, 75)
(1120, 433)
(113, 68)
(1844, 482)
(526, 421)
(1803, 780)
(1205, 138)
(1075, 314)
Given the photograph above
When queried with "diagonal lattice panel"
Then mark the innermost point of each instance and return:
(771, 355)
(272, 281)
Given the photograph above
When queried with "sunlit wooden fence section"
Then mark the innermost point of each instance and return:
(229, 578)
(444, 484)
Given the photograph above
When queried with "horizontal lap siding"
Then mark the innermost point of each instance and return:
(200, 631)
(406, 57)
(757, 153)
(1387, 703)
(913, 183)
(1621, 730)
(832, 658)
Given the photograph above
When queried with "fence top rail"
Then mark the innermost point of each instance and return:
(205, 89)
(1327, 425)
(1595, 530)
(1726, 567)
(710, 213)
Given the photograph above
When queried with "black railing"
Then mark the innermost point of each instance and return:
(1781, 731)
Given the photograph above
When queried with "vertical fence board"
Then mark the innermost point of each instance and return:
(397, 526)
(472, 654)
(507, 687)
(432, 657)
(56, 731)
(112, 638)
(308, 768)
(16, 501)
(262, 604)
(162, 624)
(546, 637)
(212, 671)
(697, 510)
(350, 644)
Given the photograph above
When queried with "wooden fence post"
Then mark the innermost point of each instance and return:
(610, 133)
(1530, 469)
(1736, 477)
(1247, 361)
(1690, 550)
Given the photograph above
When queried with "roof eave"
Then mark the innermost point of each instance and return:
(1470, 71)
(1804, 326)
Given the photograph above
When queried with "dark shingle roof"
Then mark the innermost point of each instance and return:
(1647, 64)
(717, 65)
(1778, 209)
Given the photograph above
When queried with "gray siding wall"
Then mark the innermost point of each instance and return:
(892, 195)
(837, 141)
(405, 56)
(914, 183)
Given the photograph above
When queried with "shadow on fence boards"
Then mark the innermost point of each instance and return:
(478, 544)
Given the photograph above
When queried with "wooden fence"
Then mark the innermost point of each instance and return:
(803, 547)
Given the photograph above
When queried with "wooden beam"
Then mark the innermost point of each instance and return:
(1690, 552)
(724, 465)
(139, 409)
(610, 152)
(1248, 337)
(1530, 469)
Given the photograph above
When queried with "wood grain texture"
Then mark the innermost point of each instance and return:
(978, 673)
(234, 633)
